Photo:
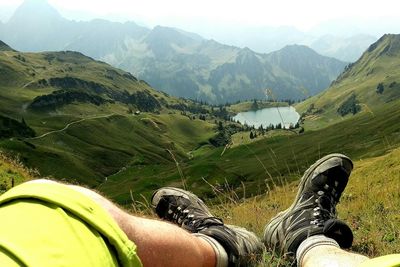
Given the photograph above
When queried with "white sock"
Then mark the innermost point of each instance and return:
(312, 242)
(220, 253)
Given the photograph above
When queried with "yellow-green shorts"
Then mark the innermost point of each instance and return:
(392, 260)
(51, 224)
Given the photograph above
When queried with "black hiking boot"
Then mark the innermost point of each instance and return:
(313, 211)
(189, 212)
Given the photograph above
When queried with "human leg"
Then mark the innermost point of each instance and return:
(205, 243)
(164, 244)
(309, 229)
(185, 209)
(322, 251)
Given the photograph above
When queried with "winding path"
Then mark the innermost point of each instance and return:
(69, 124)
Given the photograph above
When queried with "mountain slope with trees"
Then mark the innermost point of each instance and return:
(79, 119)
(366, 85)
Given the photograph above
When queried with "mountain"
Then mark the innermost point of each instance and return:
(344, 48)
(338, 44)
(100, 38)
(35, 26)
(259, 39)
(313, 73)
(75, 118)
(174, 61)
(5, 47)
(371, 83)
(80, 120)
(187, 65)
(207, 70)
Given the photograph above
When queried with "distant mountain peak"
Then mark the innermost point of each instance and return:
(246, 50)
(173, 33)
(42, 4)
(246, 56)
(162, 39)
(297, 47)
(33, 10)
(295, 51)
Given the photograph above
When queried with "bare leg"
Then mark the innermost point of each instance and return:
(331, 256)
(158, 243)
(164, 244)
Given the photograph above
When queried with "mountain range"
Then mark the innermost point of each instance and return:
(345, 47)
(174, 61)
(79, 119)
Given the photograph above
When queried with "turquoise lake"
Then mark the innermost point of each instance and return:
(267, 116)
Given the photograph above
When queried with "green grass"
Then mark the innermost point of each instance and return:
(89, 151)
(132, 151)
(370, 205)
(267, 160)
(12, 172)
(242, 138)
(92, 148)
(141, 153)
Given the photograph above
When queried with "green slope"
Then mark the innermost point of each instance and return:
(369, 205)
(12, 172)
(82, 112)
(269, 160)
(380, 64)
(105, 146)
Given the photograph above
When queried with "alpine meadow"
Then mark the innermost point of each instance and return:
(127, 109)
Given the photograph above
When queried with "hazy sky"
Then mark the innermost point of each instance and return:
(303, 14)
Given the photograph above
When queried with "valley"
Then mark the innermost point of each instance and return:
(68, 117)
(103, 127)
(125, 109)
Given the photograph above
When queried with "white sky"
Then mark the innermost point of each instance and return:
(302, 14)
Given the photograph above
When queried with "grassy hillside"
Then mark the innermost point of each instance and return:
(105, 145)
(378, 67)
(267, 160)
(13, 172)
(91, 120)
(370, 205)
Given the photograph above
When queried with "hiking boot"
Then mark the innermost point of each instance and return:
(313, 211)
(189, 212)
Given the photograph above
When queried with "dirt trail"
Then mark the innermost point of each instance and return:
(69, 124)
